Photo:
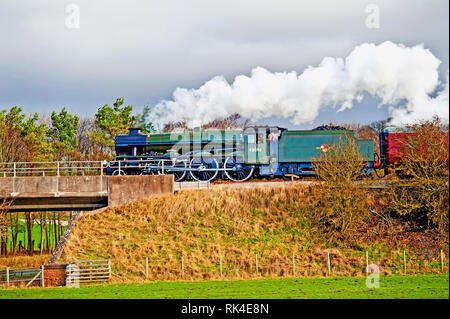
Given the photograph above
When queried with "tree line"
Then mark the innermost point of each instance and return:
(62, 136)
(65, 136)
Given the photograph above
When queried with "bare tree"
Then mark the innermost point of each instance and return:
(5, 204)
(13, 147)
(234, 121)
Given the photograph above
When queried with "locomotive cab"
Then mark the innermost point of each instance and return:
(131, 144)
(261, 144)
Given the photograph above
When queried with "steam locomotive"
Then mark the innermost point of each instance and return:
(237, 155)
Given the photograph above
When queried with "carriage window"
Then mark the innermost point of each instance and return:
(251, 139)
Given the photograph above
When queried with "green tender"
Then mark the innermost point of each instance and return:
(307, 146)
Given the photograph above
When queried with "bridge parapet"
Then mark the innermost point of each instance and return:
(69, 193)
(53, 184)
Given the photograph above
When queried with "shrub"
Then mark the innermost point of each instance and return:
(422, 154)
(342, 204)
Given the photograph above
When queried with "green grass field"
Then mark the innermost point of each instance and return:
(391, 287)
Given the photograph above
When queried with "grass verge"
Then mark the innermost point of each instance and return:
(431, 286)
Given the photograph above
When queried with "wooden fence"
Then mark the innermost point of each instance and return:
(81, 271)
(26, 276)
(91, 270)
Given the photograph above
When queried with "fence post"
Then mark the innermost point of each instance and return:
(329, 263)
(7, 276)
(42, 277)
(442, 261)
(109, 268)
(162, 166)
(293, 264)
(220, 265)
(57, 178)
(182, 267)
(101, 176)
(404, 262)
(14, 178)
(367, 262)
(146, 267)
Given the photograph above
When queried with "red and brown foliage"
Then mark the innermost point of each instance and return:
(422, 156)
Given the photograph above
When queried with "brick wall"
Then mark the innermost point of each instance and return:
(55, 275)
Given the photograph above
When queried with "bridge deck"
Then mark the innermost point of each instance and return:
(79, 193)
(57, 202)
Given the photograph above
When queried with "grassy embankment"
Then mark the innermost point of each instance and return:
(398, 287)
(238, 224)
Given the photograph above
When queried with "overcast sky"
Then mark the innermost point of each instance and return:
(143, 50)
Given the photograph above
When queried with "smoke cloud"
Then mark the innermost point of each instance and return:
(405, 79)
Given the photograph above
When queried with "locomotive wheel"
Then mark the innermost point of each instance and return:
(178, 176)
(118, 172)
(202, 163)
(241, 173)
(146, 171)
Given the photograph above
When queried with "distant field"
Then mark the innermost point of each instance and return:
(36, 235)
(391, 287)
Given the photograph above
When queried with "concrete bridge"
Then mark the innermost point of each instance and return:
(80, 193)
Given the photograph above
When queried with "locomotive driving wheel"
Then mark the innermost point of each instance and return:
(179, 173)
(239, 172)
(206, 168)
(118, 172)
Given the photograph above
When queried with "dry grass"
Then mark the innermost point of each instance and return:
(24, 261)
(201, 226)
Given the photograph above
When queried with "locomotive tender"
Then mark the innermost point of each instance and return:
(206, 154)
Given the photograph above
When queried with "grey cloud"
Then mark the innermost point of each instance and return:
(143, 50)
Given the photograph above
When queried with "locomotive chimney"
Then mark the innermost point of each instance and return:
(134, 131)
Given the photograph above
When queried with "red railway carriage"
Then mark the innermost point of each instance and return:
(392, 146)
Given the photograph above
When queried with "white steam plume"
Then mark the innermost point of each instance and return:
(404, 78)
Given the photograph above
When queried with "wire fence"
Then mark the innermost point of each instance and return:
(185, 267)
(325, 263)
